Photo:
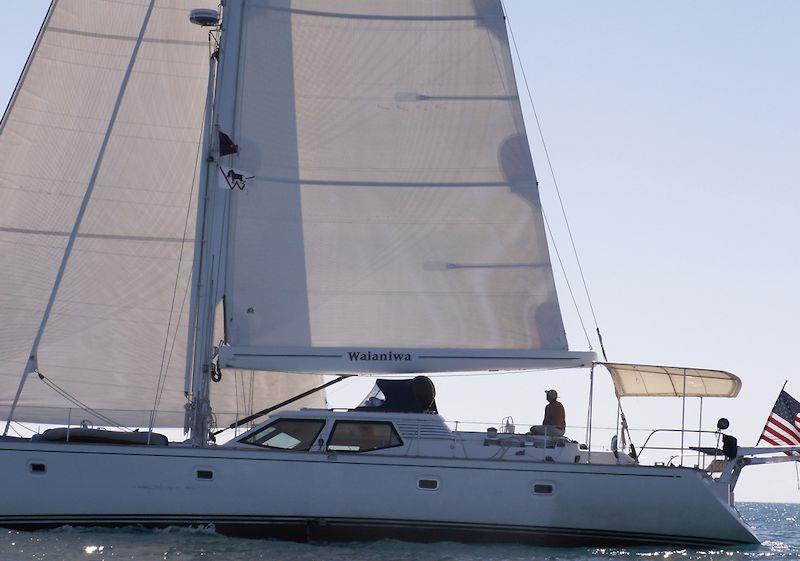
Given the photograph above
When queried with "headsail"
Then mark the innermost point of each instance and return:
(394, 223)
(111, 100)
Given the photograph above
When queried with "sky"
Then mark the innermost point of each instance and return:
(674, 134)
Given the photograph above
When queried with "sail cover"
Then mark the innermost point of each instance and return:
(109, 112)
(642, 380)
(394, 217)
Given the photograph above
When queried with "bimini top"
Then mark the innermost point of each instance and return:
(642, 380)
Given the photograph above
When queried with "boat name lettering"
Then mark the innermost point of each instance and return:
(355, 355)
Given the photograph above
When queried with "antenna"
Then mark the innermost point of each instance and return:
(204, 17)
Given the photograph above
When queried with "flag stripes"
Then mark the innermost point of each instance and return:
(783, 424)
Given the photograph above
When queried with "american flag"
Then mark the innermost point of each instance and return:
(783, 425)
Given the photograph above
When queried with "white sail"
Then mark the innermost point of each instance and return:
(243, 392)
(395, 209)
(109, 113)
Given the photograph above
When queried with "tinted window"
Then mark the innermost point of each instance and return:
(287, 434)
(355, 436)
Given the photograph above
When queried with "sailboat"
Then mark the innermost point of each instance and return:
(208, 211)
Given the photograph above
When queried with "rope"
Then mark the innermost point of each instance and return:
(558, 194)
(75, 401)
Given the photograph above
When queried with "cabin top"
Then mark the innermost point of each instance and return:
(396, 434)
(364, 429)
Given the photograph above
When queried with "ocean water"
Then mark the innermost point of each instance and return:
(778, 526)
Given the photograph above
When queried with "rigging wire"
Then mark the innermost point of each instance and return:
(27, 428)
(75, 401)
(236, 378)
(251, 404)
(162, 373)
(213, 47)
(558, 194)
(566, 279)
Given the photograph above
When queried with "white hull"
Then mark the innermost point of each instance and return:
(318, 495)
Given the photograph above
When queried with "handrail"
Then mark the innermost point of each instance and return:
(681, 431)
(695, 431)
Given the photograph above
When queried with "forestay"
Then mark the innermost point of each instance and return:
(109, 111)
(394, 223)
(640, 380)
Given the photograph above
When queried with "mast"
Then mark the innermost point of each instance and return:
(209, 271)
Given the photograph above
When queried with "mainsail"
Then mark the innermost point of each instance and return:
(394, 222)
(104, 129)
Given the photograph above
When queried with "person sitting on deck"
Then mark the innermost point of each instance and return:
(555, 421)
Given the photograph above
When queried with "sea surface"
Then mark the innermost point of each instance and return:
(778, 526)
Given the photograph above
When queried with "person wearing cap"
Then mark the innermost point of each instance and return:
(555, 419)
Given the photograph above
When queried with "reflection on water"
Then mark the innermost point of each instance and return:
(775, 524)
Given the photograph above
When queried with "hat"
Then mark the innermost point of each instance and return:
(554, 392)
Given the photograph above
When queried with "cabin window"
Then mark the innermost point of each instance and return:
(428, 484)
(543, 489)
(288, 434)
(362, 436)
